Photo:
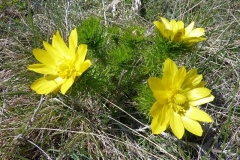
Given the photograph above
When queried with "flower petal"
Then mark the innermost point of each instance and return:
(191, 73)
(156, 127)
(73, 41)
(165, 116)
(67, 84)
(155, 84)
(197, 114)
(192, 79)
(161, 96)
(43, 56)
(59, 44)
(174, 29)
(197, 79)
(192, 40)
(53, 51)
(169, 34)
(178, 35)
(85, 65)
(197, 32)
(173, 26)
(156, 109)
(192, 126)
(42, 68)
(200, 85)
(169, 71)
(198, 93)
(177, 125)
(45, 86)
(180, 25)
(80, 55)
(170, 66)
(160, 122)
(179, 77)
(189, 29)
(165, 22)
(201, 101)
(161, 27)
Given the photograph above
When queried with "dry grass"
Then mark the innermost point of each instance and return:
(64, 127)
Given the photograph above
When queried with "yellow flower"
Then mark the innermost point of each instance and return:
(175, 31)
(61, 65)
(177, 96)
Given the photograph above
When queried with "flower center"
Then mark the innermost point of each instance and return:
(177, 101)
(179, 98)
(66, 69)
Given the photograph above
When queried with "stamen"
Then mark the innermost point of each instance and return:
(66, 69)
(179, 99)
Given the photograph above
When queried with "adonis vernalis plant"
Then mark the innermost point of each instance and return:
(177, 96)
(175, 31)
(60, 64)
